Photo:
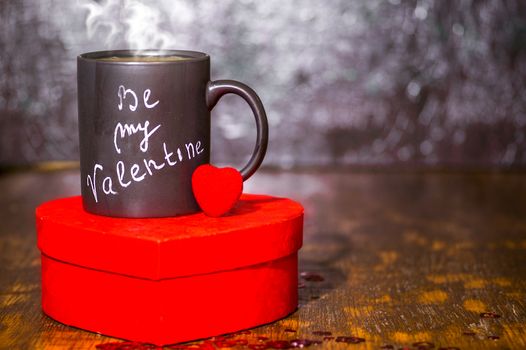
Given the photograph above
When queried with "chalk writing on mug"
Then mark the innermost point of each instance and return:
(127, 174)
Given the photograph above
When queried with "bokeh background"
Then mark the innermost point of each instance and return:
(361, 83)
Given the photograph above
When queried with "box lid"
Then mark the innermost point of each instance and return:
(260, 228)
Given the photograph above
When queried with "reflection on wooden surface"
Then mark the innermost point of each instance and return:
(396, 259)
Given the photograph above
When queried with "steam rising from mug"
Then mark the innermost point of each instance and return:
(136, 23)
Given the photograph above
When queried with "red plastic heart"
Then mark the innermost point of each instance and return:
(216, 189)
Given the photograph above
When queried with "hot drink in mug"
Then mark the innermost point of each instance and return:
(144, 126)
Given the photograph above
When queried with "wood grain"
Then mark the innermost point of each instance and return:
(404, 258)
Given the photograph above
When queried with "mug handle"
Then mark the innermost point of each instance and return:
(217, 89)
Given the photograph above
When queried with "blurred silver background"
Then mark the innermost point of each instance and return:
(374, 83)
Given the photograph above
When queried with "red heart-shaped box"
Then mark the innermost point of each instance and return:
(170, 280)
(216, 189)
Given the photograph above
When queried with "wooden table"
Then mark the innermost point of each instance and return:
(398, 259)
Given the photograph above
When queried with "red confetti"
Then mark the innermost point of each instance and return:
(423, 345)
(126, 346)
(279, 344)
(350, 340)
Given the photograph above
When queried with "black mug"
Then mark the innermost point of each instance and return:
(144, 127)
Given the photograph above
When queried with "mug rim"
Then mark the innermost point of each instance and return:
(190, 56)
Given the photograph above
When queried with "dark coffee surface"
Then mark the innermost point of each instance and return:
(142, 58)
